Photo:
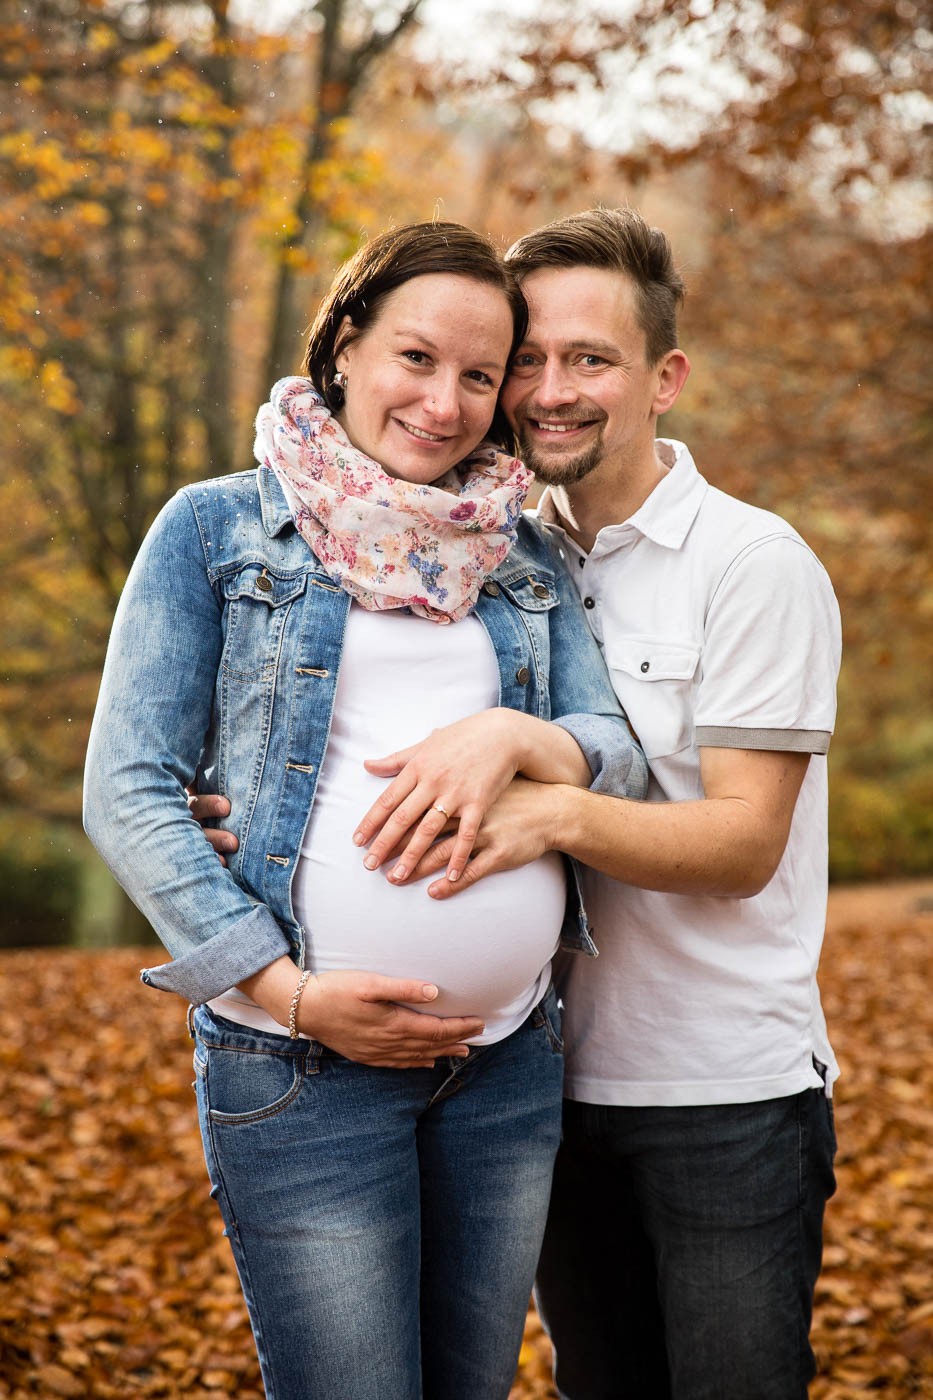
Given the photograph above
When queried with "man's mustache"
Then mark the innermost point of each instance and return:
(574, 415)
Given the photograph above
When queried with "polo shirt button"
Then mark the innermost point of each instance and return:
(523, 675)
(589, 602)
(645, 665)
(491, 587)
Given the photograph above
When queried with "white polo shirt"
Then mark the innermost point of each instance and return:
(720, 629)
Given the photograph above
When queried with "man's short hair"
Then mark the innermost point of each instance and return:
(620, 240)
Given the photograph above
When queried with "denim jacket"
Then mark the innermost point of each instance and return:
(223, 661)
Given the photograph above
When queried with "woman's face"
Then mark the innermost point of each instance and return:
(423, 380)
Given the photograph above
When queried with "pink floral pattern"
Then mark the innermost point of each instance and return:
(389, 543)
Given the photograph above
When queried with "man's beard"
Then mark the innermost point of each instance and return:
(565, 471)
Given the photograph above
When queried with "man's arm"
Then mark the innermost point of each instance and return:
(728, 843)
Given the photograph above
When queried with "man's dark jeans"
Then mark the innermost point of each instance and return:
(682, 1249)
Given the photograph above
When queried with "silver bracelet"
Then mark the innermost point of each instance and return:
(293, 1008)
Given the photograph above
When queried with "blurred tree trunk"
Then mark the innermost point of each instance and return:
(340, 70)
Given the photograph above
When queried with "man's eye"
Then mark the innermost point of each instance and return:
(591, 361)
(522, 361)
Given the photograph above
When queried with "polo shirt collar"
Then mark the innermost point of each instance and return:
(666, 516)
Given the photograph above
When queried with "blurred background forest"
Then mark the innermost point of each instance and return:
(179, 180)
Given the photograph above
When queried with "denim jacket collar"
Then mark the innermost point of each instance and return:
(276, 515)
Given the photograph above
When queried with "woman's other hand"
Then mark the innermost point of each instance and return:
(358, 1015)
(206, 807)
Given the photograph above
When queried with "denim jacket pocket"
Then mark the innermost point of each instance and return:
(530, 592)
(257, 603)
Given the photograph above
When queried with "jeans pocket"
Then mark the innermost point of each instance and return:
(243, 1086)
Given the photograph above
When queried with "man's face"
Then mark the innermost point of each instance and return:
(580, 391)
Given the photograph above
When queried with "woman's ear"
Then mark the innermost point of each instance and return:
(344, 338)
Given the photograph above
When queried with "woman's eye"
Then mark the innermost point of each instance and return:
(480, 376)
(417, 357)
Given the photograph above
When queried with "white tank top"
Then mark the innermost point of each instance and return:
(488, 949)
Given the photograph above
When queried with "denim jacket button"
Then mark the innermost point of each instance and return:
(491, 587)
(540, 590)
(523, 675)
(264, 584)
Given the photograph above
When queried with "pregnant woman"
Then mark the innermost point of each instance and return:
(383, 1173)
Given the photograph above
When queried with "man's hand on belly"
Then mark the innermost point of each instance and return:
(453, 777)
(522, 826)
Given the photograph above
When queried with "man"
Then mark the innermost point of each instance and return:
(685, 1231)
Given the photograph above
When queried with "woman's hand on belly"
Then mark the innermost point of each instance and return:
(449, 780)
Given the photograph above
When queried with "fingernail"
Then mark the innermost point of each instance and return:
(358, 838)
(453, 875)
(428, 991)
(371, 863)
(399, 873)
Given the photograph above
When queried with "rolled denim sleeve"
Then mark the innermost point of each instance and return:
(616, 761)
(153, 711)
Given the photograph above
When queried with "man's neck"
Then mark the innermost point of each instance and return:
(606, 497)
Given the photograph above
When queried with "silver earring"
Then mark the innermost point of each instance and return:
(335, 395)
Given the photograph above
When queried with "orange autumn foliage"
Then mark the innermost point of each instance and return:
(115, 1279)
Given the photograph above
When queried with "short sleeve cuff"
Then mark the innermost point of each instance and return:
(710, 736)
(221, 962)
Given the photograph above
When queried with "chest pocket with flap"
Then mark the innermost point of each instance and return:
(654, 678)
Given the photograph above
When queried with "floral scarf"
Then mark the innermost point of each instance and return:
(389, 543)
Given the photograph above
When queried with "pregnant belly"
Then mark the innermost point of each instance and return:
(486, 949)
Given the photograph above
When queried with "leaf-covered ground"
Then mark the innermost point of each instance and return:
(115, 1280)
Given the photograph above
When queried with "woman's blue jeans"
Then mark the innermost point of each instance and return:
(385, 1223)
